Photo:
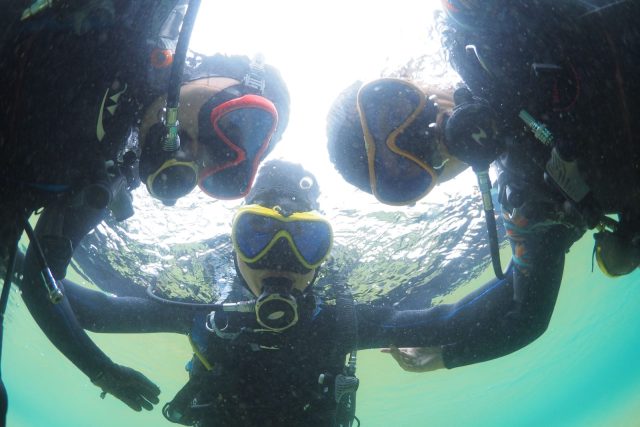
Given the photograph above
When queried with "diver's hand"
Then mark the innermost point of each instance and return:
(417, 359)
(128, 385)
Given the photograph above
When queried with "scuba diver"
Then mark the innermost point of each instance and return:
(99, 96)
(556, 178)
(562, 87)
(274, 352)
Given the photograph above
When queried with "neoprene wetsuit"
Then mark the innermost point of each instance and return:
(76, 77)
(576, 70)
(267, 379)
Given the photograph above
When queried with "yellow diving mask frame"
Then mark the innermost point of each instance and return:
(174, 179)
(256, 229)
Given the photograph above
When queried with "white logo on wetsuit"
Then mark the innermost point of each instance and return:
(100, 132)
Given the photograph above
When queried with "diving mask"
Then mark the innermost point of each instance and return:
(169, 174)
(257, 230)
(234, 131)
(398, 123)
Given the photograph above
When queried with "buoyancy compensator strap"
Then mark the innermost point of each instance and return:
(346, 384)
(185, 409)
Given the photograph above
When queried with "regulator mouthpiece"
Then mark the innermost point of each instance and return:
(276, 308)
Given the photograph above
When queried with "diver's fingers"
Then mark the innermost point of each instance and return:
(404, 359)
(146, 404)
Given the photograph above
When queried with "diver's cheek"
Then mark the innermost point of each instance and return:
(251, 277)
(302, 281)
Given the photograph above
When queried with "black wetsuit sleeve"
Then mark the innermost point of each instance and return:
(513, 321)
(60, 325)
(99, 312)
(82, 308)
(58, 321)
(500, 317)
(439, 325)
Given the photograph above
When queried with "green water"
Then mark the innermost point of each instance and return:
(582, 372)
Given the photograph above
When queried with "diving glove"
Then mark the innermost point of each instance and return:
(129, 386)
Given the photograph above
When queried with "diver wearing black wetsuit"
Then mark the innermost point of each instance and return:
(551, 96)
(572, 67)
(84, 88)
(71, 91)
(240, 377)
(244, 373)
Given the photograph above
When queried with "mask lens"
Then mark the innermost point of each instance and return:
(252, 234)
(244, 126)
(173, 181)
(387, 107)
(312, 239)
(255, 234)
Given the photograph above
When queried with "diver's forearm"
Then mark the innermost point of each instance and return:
(59, 324)
(518, 322)
(439, 325)
(99, 312)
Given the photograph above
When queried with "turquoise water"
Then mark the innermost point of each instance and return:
(582, 372)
